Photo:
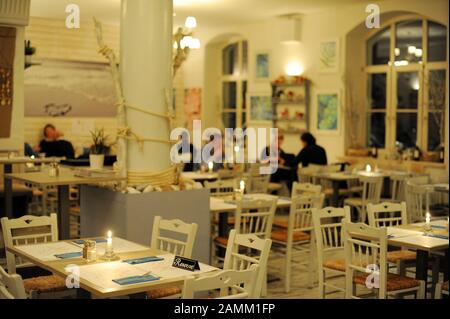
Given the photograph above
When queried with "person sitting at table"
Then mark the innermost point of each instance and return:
(311, 153)
(52, 145)
(216, 154)
(186, 147)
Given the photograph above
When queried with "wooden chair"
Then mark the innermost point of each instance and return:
(305, 189)
(299, 236)
(398, 187)
(32, 230)
(371, 193)
(258, 184)
(233, 284)
(330, 247)
(441, 289)
(416, 201)
(365, 259)
(11, 286)
(222, 188)
(172, 245)
(245, 250)
(305, 173)
(391, 215)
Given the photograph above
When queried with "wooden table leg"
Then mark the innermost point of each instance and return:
(63, 212)
(223, 231)
(335, 197)
(7, 183)
(422, 267)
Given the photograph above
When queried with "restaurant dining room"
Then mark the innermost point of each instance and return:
(195, 150)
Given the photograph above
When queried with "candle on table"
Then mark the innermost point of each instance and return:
(427, 221)
(210, 166)
(242, 186)
(109, 242)
(368, 168)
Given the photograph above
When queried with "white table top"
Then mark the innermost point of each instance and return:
(199, 175)
(26, 159)
(225, 205)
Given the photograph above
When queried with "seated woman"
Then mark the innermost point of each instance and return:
(51, 145)
(311, 153)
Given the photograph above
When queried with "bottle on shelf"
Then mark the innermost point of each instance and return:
(374, 152)
(417, 153)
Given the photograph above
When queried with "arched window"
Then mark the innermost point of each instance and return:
(234, 83)
(406, 85)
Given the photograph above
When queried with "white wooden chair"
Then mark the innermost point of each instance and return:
(305, 174)
(391, 215)
(441, 289)
(416, 202)
(298, 238)
(233, 284)
(258, 184)
(365, 249)
(11, 286)
(173, 237)
(238, 257)
(305, 189)
(222, 188)
(371, 193)
(330, 247)
(398, 187)
(32, 230)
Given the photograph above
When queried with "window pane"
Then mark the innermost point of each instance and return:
(407, 129)
(435, 134)
(244, 119)
(376, 130)
(409, 41)
(244, 58)
(229, 119)
(437, 42)
(436, 89)
(407, 90)
(230, 59)
(229, 95)
(377, 91)
(378, 48)
(244, 94)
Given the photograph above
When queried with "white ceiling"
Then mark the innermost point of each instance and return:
(208, 12)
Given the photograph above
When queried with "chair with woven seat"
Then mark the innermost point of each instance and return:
(416, 202)
(233, 284)
(175, 228)
(371, 193)
(32, 230)
(392, 215)
(327, 229)
(221, 189)
(441, 289)
(299, 236)
(366, 264)
(245, 250)
(398, 187)
(258, 184)
(11, 286)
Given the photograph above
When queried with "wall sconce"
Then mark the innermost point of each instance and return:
(294, 69)
(183, 42)
(190, 23)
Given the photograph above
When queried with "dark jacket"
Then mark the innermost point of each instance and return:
(311, 154)
(60, 148)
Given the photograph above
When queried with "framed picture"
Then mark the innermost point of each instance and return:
(328, 112)
(262, 66)
(329, 56)
(260, 108)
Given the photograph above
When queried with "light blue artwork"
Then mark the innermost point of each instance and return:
(327, 112)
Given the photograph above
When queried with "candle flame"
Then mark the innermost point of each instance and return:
(109, 235)
(368, 168)
(242, 185)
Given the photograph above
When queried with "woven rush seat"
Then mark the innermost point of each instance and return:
(401, 255)
(163, 292)
(221, 241)
(44, 284)
(394, 282)
(445, 286)
(282, 235)
(336, 264)
(284, 223)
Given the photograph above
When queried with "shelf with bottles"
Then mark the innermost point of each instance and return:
(285, 115)
(283, 81)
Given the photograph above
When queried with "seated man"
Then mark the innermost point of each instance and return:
(51, 145)
(311, 153)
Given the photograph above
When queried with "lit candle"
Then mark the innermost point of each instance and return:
(368, 168)
(242, 186)
(210, 166)
(236, 148)
(427, 221)
(109, 242)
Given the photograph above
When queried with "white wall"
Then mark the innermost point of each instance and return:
(315, 27)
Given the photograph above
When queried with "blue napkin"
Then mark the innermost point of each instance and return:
(135, 280)
(438, 227)
(437, 236)
(142, 260)
(97, 240)
(69, 255)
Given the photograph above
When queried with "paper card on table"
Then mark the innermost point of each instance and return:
(120, 246)
(97, 240)
(47, 251)
(185, 263)
(394, 232)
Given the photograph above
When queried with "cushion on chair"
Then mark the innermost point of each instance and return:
(282, 235)
(401, 255)
(394, 282)
(222, 241)
(45, 284)
(336, 264)
(163, 292)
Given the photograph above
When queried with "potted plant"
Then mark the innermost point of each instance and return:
(29, 51)
(98, 149)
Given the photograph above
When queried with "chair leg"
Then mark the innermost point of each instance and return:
(287, 271)
(311, 264)
(435, 275)
(264, 285)
(322, 284)
(422, 290)
(438, 291)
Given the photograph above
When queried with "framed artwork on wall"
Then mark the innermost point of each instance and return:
(329, 56)
(327, 112)
(262, 66)
(260, 108)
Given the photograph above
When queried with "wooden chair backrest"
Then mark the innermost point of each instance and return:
(387, 214)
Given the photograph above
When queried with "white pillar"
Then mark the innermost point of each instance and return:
(146, 71)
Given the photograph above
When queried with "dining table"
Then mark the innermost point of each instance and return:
(425, 242)
(62, 181)
(8, 163)
(137, 270)
(200, 176)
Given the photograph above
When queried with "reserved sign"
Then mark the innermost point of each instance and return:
(185, 263)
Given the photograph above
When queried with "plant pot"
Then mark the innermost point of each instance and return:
(96, 161)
